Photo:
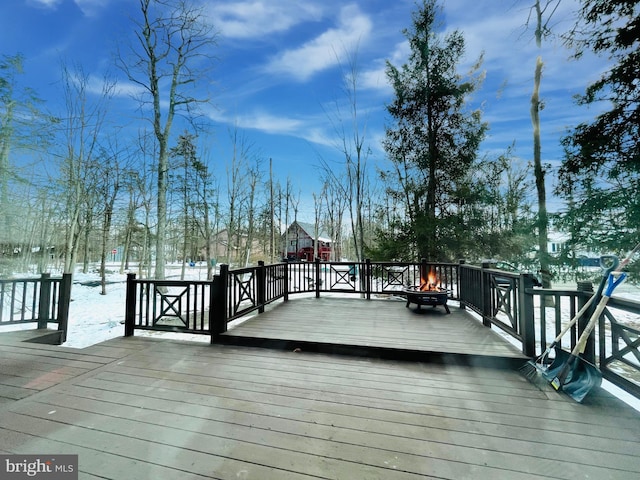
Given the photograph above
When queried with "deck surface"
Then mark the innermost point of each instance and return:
(138, 407)
(373, 327)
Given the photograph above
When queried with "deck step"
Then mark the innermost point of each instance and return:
(370, 351)
(48, 337)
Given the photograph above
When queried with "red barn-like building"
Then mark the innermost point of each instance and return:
(300, 240)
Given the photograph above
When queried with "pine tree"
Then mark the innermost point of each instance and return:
(600, 176)
(434, 140)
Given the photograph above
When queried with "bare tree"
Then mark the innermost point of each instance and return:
(539, 12)
(351, 136)
(335, 208)
(108, 188)
(81, 130)
(254, 175)
(22, 127)
(171, 58)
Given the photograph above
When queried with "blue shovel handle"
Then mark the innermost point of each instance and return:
(612, 283)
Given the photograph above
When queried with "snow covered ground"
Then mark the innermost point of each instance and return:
(94, 318)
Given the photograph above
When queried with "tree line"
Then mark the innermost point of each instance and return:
(436, 196)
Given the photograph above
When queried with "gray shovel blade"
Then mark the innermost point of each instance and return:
(581, 379)
(554, 369)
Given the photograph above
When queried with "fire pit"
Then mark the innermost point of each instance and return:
(433, 296)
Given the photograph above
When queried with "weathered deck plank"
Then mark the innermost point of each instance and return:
(153, 408)
(374, 324)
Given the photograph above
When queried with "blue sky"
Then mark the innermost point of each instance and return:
(281, 64)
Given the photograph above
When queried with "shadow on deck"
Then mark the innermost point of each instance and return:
(382, 328)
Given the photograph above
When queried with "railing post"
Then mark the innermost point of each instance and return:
(317, 274)
(44, 300)
(526, 316)
(130, 305)
(286, 281)
(459, 283)
(590, 349)
(218, 302)
(262, 286)
(368, 279)
(64, 298)
(485, 292)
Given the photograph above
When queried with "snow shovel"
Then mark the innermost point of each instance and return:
(537, 371)
(577, 377)
(610, 264)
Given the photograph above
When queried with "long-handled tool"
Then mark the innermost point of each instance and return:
(538, 371)
(577, 377)
(535, 370)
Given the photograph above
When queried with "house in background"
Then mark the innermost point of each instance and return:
(300, 240)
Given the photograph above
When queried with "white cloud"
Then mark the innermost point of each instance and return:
(249, 19)
(258, 120)
(91, 7)
(305, 128)
(51, 4)
(374, 79)
(320, 53)
(88, 7)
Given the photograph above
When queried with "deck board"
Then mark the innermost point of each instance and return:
(165, 409)
(374, 323)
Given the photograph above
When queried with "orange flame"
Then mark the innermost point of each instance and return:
(429, 284)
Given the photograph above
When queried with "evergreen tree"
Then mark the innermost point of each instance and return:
(433, 142)
(600, 174)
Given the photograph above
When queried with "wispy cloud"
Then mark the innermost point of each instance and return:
(51, 4)
(257, 120)
(249, 19)
(320, 53)
(307, 128)
(100, 85)
(375, 78)
(91, 7)
(88, 7)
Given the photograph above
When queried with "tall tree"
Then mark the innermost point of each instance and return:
(21, 126)
(170, 60)
(185, 150)
(542, 14)
(600, 174)
(238, 192)
(351, 140)
(111, 166)
(82, 126)
(434, 140)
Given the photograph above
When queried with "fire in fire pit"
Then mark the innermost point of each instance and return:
(427, 293)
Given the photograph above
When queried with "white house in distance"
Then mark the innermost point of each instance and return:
(300, 239)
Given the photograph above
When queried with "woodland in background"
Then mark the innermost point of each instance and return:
(80, 189)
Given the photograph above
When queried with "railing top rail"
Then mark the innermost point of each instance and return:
(556, 291)
(29, 279)
(170, 283)
(626, 303)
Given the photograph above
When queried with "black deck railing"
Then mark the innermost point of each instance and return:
(40, 300)
(531, 316)
(535, 316)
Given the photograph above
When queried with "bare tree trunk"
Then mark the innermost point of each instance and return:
(543, 221)
(173, 54)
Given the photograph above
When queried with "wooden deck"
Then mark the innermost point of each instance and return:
(376, 328)
(138, 407)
